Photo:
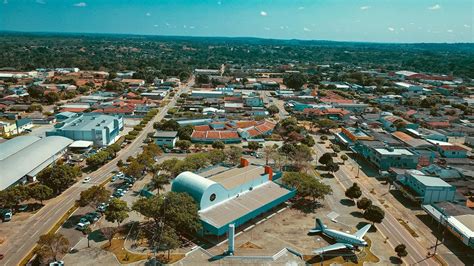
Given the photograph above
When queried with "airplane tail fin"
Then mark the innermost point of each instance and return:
(319, 227)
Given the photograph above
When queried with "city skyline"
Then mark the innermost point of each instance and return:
(364, 21)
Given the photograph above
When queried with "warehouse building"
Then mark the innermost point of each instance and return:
(426, 189)
(102, 130)
(232, 195)
(23, 157)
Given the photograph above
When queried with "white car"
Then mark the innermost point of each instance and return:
(87, 179)
(82, 226)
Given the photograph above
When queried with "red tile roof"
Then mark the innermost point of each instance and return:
(73, 110)
(438, 124)
(202, 128)
(451, 148)
(215, 134)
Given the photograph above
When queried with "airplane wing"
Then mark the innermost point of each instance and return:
(336, 246)
(361, 233)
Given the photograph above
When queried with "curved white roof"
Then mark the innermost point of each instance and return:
(24, 156)
(193, 184)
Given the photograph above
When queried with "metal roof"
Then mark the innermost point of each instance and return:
(28, 159)
(194, 185)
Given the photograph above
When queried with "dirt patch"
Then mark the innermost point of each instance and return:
(249, 245)
(408, 228)
(123, 255)
(164, 259)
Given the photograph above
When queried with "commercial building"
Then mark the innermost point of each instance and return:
(23, 157)
(232, 195)
(427, 189)
(386, 156)
(166, 138)
(102, 130)
(458, 220)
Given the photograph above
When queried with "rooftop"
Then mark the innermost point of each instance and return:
(165, 134)
(235, 176)
(389, 151)
(230, 210)
(431, 181)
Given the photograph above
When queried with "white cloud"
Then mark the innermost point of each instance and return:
(402, 29)
(364, 7)
(41, 2)
(5, 2)
(450, 31)
(435, 7)
(148, 14)
(390, 29)
(167, 24)
(156, 25)
(306, 29)
(219, 2)
(192, 27)
(80, 4)
(467, 26)
(301, 8)
(266, 28)
(263, 13)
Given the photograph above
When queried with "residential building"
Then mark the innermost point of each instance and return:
(7, 129)
(393, 123)
(23, 125)
(102, 130)
(452, 151)
(385, 157)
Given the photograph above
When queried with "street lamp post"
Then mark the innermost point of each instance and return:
(441, 217)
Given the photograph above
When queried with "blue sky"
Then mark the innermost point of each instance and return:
(340, 20)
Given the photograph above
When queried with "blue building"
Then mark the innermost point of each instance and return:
(427, 189)
(384, 156)
(102, 130)
(232, 195)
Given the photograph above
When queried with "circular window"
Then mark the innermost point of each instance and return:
(213, 197)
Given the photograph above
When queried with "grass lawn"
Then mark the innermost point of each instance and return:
(123, 255)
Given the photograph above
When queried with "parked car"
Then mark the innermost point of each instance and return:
(102, 207)
(114, 178)
(6, 214)
(82, 226)
(87, 179)
(93, 216)
(57, 263)
(22, 208)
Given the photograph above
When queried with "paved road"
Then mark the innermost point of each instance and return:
(389, 227)
(277, 102)
(18, 245)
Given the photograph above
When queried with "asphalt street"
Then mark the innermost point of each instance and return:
(19, 244)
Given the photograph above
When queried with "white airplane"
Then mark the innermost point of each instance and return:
(344, 240)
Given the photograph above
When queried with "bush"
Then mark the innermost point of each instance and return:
(133, 133)
(130, 137)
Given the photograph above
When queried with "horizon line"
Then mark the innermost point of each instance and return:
(221, 37)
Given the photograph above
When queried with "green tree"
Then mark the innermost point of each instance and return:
(158, 182)
(218, 145)
(134, 169)
(269, 152)
(35, 91)
(308, 141)
(306, 185)
(40, 192)
(58, 177)
(93, 196)
(183, 144)
(294, 81)
(98, 159)
(364, 203)
(326, 158)
(401, 251)
(233, 154)
(184, 132)
(167, 125)
(50, 246)
(324, 138)
(11, 197)
(87, 231)
(170, 239)
(375, 214)
(117, 211)
(332, 167)
(52, 97)
(273, 109)
(253, 145)
(108, 233)
(353, 192)
(344, 158)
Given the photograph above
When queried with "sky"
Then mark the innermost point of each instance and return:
(410, 21)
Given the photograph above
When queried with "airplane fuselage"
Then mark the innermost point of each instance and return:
(345, 238)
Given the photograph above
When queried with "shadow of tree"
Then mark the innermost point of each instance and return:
(395, 260)
(306, 205)
(327, 175)
(357, 214)
(362, 224)
(347, 202)
(97, 236)
(71, 222)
